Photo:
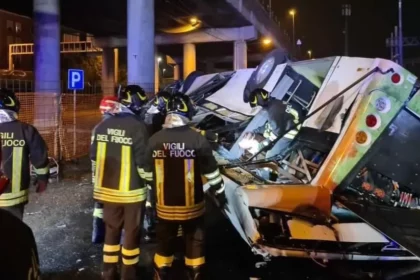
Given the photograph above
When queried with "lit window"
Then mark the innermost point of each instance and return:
(18, 27)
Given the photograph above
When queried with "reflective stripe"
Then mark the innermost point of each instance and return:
(125, 170)
(130, 252)
(180, 231)
(222, 189)
(100, 163)
(98, 213)
(130, 261)
(109, 191)
(212, 174)
(215, 181)
(112, 248)
(141, 172)
(42, 171)
(162, 261)
(195, 262)
(110, 259)
(189, 183)
(17, 169)
(92, 139)
(180, 208)
(180, 213)
(11, 199)
(118, 199)
(160, 180)
(148, 176)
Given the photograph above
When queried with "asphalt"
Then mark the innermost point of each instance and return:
(61, 219)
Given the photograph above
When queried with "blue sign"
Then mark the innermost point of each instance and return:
(76, 79)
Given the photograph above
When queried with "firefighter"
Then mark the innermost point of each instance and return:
(21, 144)
(107, 108)
(118, 150)
(280, 118)
(178, 156)
(157, 114)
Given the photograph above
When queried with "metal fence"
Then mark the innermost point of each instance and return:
(64, 120)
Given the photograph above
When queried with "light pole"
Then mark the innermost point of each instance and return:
(400, 33)
(292, 12)
(346, 13)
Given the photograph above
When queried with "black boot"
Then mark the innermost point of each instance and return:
(195, 272)
(163, 273)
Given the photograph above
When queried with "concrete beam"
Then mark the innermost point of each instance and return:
(229, 58)
(253, 11)
(209, 35)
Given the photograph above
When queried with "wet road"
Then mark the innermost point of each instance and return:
(61, 220)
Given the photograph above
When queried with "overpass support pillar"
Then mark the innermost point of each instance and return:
(47, 63)
(141, 43)
(240, 59)
(108, 69)
(116, 65)
(157, 72)
(189, 59)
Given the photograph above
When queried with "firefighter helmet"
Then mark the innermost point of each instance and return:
(259, 97)
(108, 104)
(161, 101)
(182, 105)
(133, 97)
(8, 100)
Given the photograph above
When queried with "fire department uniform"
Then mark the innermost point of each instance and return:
(118, 149)
(179, 156)
(107, 107)
(280, 118)
(21, 145)
(19, 256)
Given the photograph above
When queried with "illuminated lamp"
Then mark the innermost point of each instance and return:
(373, 121)
(396, 78)
(362, 138)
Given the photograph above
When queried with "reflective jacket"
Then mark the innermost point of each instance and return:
(177, 158)
(21, 144)
(281, 118)
(117, 153)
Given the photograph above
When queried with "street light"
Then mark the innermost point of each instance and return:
(159, 59)
(310, 54)
(194, 21)
(346, 13)
(266, 41)
(292, 12)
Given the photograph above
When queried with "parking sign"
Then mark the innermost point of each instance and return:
(76, 79)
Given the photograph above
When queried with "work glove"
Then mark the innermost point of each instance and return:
(41, 185)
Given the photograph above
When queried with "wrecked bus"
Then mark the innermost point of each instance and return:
(348, 186)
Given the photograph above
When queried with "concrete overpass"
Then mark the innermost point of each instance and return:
(191, 29)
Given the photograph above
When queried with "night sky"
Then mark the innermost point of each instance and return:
(320, 25)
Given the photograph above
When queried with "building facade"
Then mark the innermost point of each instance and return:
(18, 29)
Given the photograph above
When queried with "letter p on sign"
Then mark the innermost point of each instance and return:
(75, 79)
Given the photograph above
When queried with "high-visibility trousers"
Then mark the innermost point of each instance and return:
(166, 234)
(116, 218)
